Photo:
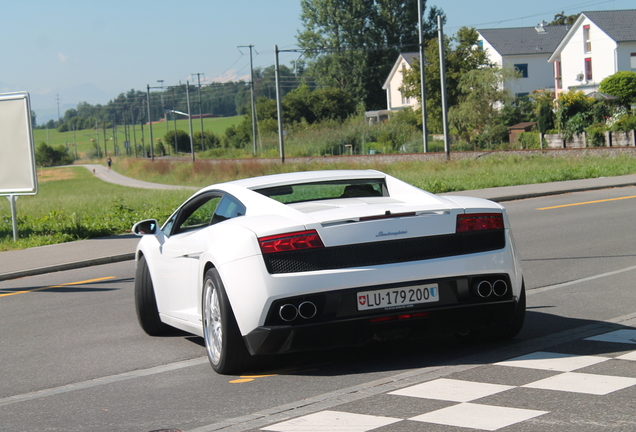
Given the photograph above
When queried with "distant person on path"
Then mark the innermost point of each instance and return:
(109, 162)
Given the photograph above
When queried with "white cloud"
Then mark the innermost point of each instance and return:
(230, 75)
(62, 58)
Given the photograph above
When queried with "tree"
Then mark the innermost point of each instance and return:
(181, 143)
(622, 85)
(562, 19)
(352, 44)
(332, 104)
(462, 55)
(571, 103)
(210, 140)
(574, 113)
(302, 104)
(545, 117)
(482, 95)
(46, 155)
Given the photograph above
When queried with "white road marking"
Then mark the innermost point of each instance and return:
(583, 383)
(452, 390)
(574, 282)
(102, 381)
(477, 416)
(553, 361)
(619, 336)
(332, 421)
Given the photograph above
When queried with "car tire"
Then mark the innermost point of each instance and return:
(224, 344)
(514, 326)
(146, 302)
(506, 331)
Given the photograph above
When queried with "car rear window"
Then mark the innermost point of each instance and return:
(358, 188)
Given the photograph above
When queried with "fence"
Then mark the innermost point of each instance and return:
(611, 139)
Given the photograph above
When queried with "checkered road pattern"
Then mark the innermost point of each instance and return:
(468, 403)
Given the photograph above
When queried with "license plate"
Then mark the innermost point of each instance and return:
(398, 297)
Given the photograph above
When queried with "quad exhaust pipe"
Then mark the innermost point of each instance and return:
(485, 288)
(289, 312)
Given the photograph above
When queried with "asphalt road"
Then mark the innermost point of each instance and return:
(73, 358)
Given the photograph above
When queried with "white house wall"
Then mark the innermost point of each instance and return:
(394, 95)
(573, 58)
(624, 53)
(493, 55)
(540, 73)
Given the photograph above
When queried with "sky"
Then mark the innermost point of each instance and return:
(65, 52)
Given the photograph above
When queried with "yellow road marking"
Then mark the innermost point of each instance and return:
(587, 202)
(248, 378)
(57, 286)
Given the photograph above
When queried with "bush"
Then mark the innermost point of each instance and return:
(576, 125)
(625, 124)
(182, 142)
(595, 135)
(529, 140)
(210, 140)
(622, 85)
(46, 155)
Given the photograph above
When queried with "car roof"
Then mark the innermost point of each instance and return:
(303, 177)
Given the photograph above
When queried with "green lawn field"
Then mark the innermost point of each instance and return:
(83, 138)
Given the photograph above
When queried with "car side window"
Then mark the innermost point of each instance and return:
(197, 213)
(228, 208)
(204, 210)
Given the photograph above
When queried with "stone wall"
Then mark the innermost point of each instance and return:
(612, 139)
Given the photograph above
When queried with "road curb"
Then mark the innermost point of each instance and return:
(68, 266)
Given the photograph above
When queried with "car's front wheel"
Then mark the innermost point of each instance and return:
(146, 302)
(223, 342)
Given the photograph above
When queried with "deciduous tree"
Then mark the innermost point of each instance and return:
(462, 54)
(352, 44)
(481, 97)
(622, 85)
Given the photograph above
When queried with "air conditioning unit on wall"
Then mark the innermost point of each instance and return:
(579, 77)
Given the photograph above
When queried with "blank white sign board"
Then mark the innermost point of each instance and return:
(18, 175)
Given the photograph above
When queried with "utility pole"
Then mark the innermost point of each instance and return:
(281, 143)
(200, 110)
(114, 137)
(190, 119)
(152, 154)
(99, 149)
(143, 138)
(174, 122)
(74, 141)
(422, 75)
(134, 129)
(57, 99)
(253, 97)
(442, 69)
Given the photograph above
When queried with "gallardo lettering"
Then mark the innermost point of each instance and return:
(390, 233)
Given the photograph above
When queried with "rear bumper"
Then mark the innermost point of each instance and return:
(360, 330)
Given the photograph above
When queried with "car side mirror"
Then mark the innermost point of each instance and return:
(148, 226)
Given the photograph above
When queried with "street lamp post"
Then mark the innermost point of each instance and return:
(162, 105)
(190, 119)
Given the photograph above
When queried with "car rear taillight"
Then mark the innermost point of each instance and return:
(479, 222)
(290, 242)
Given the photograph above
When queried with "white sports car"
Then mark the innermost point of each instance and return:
(319, 259)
